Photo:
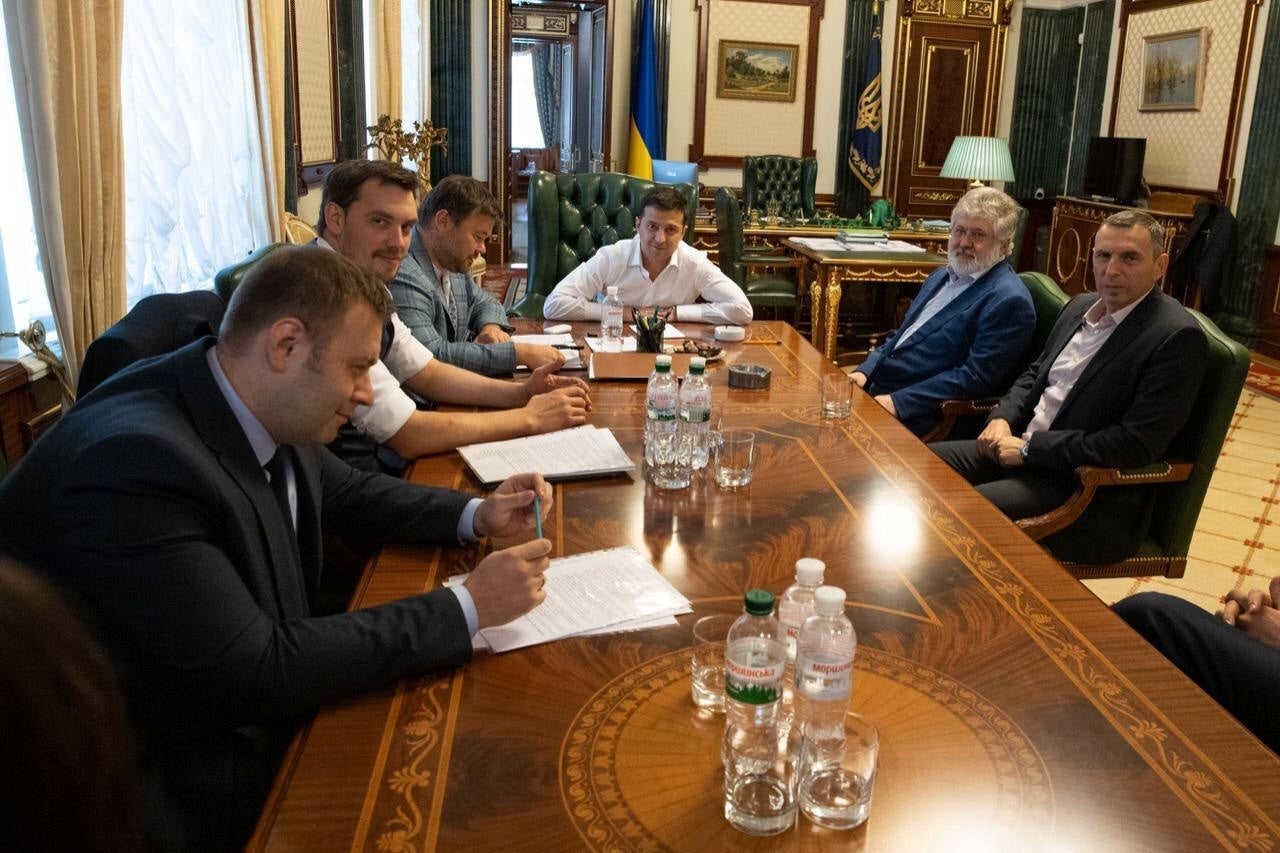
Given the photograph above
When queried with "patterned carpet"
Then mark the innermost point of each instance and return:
(1265, 379)
(1237, 540)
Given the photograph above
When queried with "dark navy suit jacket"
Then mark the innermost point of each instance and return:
(147, 504)
(971, 348)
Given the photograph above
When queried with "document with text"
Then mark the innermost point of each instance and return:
(572, 357)
(598, 592)
(584, 451)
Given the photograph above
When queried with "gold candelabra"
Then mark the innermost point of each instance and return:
(395, 144)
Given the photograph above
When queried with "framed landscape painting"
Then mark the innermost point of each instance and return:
(757, 71)
(1173, 66)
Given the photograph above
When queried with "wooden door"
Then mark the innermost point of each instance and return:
(947, 68)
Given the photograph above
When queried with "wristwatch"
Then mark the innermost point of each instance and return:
(1024, 449)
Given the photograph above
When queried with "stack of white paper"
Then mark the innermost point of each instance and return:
(583, 451)
(599, 592)
(572, 357)
(596, 344)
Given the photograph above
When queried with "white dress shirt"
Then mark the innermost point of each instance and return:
(1070, 364)
(391, 407)
(687, 276)
(956, 284)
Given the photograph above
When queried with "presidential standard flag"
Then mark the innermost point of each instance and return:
(864, 146)
(646, 144)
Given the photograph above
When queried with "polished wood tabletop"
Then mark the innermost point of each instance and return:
(825, 272)
(1016, 711)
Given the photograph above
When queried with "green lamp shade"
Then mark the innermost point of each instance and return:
(978, 158)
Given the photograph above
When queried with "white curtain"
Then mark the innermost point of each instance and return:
(196, 192)
(66, 60)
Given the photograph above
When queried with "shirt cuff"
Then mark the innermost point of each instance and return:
(466, 522)
(468, 608)
(689, 313)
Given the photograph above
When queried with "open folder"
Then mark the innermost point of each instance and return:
(577, 452)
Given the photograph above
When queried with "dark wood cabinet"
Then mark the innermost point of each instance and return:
(28, 407)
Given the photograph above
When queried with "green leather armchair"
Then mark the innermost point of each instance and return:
(1049, 300)
(573, 215)
(227, 279)
(767, 289)
(1185, 473)
(788, 180)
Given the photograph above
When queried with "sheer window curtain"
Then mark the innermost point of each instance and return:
(383, 62)
(66, 56)
(195, 186)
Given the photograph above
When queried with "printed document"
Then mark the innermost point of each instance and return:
(582, 451)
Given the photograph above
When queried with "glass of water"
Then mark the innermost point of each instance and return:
(734, 458)
(838, 771)
(673, 460)
(707, 687)
(837, 396)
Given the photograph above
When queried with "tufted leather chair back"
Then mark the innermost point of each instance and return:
(571, 216)
(788, 180)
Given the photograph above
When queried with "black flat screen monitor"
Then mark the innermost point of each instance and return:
(1114, 168)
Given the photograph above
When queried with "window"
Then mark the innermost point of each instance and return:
(193, 173)
(23, 296)
(526, 130)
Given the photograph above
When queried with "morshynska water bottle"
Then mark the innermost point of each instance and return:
(611, 321)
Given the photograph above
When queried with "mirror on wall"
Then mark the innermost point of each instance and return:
(549, 73)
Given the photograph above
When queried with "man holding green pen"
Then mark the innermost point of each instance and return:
(654, 268)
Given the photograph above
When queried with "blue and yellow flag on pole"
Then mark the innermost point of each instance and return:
(864, 146)
(646, 144)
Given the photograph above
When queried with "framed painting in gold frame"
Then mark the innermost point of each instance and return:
(1173, 69)
(756, 71)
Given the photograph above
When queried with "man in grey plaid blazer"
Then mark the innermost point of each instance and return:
(437, 298)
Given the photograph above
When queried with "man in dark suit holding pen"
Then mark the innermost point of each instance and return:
(967, 331)
(181, 505)
(1114, 384)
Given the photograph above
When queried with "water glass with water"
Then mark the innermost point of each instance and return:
(838, 771)
(837, 396)
(760, 778)
(672, 459)
(707, 686)
(734, 457)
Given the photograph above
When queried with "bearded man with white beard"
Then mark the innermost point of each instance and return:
(966, 335)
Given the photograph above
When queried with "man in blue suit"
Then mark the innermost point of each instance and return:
(967, 332)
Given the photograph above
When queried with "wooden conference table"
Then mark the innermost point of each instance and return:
(1016, 712)
(826, 271)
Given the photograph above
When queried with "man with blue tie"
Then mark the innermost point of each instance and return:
(967, 332)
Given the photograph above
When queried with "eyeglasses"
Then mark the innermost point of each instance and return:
(977, 235)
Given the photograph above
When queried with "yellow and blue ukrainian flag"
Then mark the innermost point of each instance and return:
(646, 144)
(865, 143)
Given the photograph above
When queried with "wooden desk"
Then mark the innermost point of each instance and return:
(1017, 713)
(767, 239)
(829, 271)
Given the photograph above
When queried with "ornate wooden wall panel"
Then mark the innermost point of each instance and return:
(947, 68)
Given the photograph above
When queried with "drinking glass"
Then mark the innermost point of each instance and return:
(707, 686)
(734, 454)
(837, 396)
(673, 459)
(838, 770)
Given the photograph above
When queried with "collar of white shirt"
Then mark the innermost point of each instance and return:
(636, 260)
(1098, 311)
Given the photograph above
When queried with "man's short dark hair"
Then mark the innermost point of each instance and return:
(342, 184)
(667, 199)
(460, 197)
(1127, 219)
(311, 283)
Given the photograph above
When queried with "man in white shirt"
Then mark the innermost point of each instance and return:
(968, 331)
(367, 215)
(1113, 386)
(654, 269)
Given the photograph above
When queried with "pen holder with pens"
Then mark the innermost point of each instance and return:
(649, 332)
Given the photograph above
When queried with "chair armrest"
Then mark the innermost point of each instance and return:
(1091, 478)
(953, 410)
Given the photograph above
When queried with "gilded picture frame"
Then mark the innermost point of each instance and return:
(756, 71)
(1173, 70)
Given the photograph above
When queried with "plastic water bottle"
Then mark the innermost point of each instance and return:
(695, 409)
(796, 604)
(611, 321)
(660, 405)
(759, 768)
(824, 661)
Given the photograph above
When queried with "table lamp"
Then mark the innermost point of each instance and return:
(977, 159)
